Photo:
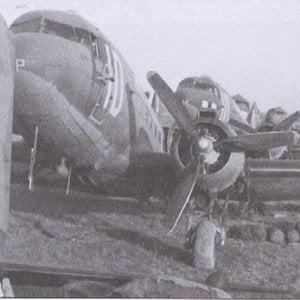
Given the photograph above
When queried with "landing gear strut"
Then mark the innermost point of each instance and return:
(33, 158)
(69, 181)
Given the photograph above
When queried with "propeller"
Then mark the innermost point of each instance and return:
(250, 142)
(171, 101)
(181, 196)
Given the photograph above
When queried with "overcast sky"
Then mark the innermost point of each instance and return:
(248, 47)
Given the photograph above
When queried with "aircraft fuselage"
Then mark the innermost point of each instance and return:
(79, 91)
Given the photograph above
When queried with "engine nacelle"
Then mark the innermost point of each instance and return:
(222, 168)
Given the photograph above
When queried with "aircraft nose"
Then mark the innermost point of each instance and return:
(57, 62)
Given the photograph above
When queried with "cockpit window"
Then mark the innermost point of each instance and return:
(279, 112)
(202, 86)
(29, 26)
(59, 29)
(199, 85)
(82, 36)
(208, 88)
(79, 35)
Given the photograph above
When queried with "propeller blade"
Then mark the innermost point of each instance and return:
(258, 142)
(171, 101)
(287, 122)
(181, 197)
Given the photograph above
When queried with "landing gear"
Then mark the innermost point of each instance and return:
(33, 158)
(201, 239)
(201, 236)
(65, 172)
(69, 181)
(204, 245)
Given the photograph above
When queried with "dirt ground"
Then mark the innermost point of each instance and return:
(120, 235)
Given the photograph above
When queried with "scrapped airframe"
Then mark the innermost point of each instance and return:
(76, 101)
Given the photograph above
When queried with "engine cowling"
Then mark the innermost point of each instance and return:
(221, 168)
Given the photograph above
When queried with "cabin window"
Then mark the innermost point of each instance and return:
(29, 26)
(59, 29)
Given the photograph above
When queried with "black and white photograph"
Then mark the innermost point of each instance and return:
(150, 149)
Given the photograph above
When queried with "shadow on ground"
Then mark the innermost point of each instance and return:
(149, 243)
(52, 202)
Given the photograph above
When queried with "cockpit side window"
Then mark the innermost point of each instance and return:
(59, 29)
(95, 47)
(98, 48)
(102, 51)
(33, 25)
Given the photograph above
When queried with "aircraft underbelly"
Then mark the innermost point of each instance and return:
(63, 128)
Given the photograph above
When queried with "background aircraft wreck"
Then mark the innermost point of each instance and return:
(78, 105)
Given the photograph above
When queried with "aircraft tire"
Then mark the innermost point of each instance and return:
(204, 245)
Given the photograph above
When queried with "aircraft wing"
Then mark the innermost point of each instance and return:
(273, 180)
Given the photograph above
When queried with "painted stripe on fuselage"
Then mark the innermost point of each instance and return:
(115, 72)
(110, 74)
(119, 86)
(222, 114)
(225, 110)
